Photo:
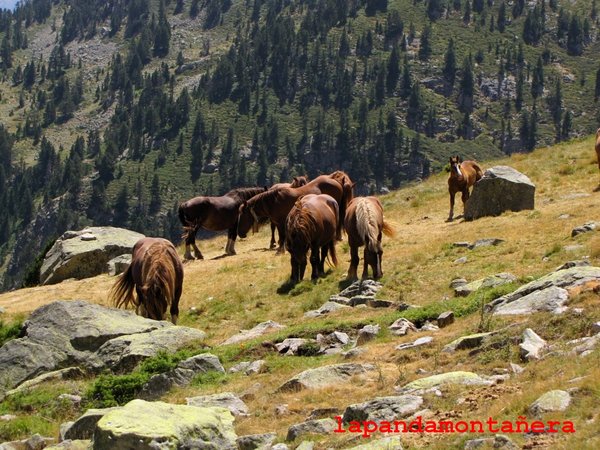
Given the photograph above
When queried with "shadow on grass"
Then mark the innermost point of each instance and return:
(286, 287)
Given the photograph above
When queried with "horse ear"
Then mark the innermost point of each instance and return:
(354, 184)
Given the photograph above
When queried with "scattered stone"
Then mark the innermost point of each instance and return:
(461, 244)
(461, 260)
(570, 264)
(365, 287)
(499, 441)
(532, 345)
(280, 446)
(596, 327)
(466, 342)
(353, 353)
(585, 228)
(551, 401)
(74, 400)
(319, 426)
(256, 441)
(335, 338)
(587, 346)
(255, 367)
(71, 445)
(306, 445)
(292, 346)
(327, 308)
(258, 330)
(149, 425)
(383, 408)
(118, 264)
(7, 417)
(488, 282)
(325, 376)
(457, 282)
(322, 413)
(341, 300)
(444, 319)
(573, 248)
(35, 442)
(501, 188)
(224, 400)
(564, 216)
(240, 367)
(282, 410)
(428, 326)
(418, 343)
(374, 303)
(467, 378)
(517, 369)
(367, 333)
(487, 242)
(402, 326)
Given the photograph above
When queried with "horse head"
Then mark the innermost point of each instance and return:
(245, 220)
(455, 162)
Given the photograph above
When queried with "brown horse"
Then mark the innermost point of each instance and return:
(214, 214)
(276, 204)
(348, 187)
(364, 225)
(296, 182)
(598, 147)
(463, 175)
(156, 273)
(311, 225)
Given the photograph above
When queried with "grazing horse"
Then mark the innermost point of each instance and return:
(156, 273)
(276, 204)
(463, 175)
(296, 182)
(311, 225)
(598, 147)
(348, 187)
(214, 214)
(364, 225)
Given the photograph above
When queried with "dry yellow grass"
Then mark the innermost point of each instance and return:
(238, 292)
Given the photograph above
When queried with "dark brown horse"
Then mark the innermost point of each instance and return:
(156, 273)
(311, 225)
(463, 175)
(296, 182)
(276, 204)
(364, 225)
(214, 214)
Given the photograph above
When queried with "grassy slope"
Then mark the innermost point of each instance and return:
(238, 292)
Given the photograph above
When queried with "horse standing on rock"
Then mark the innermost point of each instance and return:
(311, 225)
(463, 175)
(156, 274)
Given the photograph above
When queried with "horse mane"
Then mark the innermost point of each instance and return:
(159, 273)
(244, 194)
(366, 223)
(301, 222)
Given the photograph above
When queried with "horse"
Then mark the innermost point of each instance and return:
(364, 225)
(598, 147)
(348, 187)
(463, 175)
(296, 182)
(311, 224)
(156, 274)
(214, 214)
(277, 203)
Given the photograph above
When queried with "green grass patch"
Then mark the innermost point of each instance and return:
(9, 331)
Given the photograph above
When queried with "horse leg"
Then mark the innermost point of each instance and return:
(197, 251)
(465, 197)
(366, 263)
(451, 214)
(354, 260)
(281, 231)
(229, 250)
(188, 243)
(174, 310)
(314, 262)
(272, 243)
(324, 251)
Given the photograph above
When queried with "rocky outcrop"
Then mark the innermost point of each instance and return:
(501, 189)
(258, 330)
(383, 408)
(466, 342)
(532, 346)
(227, 400)
(325, 376)
(85, 253)
(463, 290)
(585, 228)
(76, 333)
(83, 427)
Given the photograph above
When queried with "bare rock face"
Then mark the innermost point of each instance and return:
(502, 188)
(85, 253)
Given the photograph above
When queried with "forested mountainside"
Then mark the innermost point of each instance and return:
(115, 111)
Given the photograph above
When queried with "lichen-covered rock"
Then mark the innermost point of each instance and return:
(325, 376)
(383, 408)
(224, 400)
(256, 441)
(488, 282)
(466, 342)
(83, 427)
(145, 425)
(551, 299)
(550, 402)
(459, 377)
(260, 329)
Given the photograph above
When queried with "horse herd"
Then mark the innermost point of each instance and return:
(308, 215)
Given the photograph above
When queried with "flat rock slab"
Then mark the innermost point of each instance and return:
(327, 308)
(149, 425)
(388, 443)
(466, 342)
(383, 408)
(417, 343)
(489, 282)
(224, 400)
(325, 376)
(466, 378)
(318, 426)
(258, 330)
(550, 402)
(552, 299)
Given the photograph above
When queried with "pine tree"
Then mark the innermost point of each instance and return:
(155, 200)
(121, 208)
(537, 81)
(575, 37)
(449, 70)
(501, 22)
(406, 82)
(162, 33)
(393, 69)
(597, 86)
(566, 125)
(425, 47)
(467, 87)
(435, 9)
(414, 111)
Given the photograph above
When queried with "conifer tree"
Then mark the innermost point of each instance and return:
(537, 81)
(425, 47)
(449, 70)
(155, 200)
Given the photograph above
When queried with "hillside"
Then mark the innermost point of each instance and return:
(223, 295)
(114, 112)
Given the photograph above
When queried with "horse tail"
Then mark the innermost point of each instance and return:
(388, 230)
(478, 171)
(182, 217)
(347, 196)
(121, 294)
(160, 280)
(366, 225)
(332, 253)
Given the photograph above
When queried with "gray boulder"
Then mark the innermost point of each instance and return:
(35, 442)
(446, 318)
(501, 189)
(256, 441)
(83, 427)
(118, 264)
(85, 253)
(585, 228)
(383, 408)
(224, 400)
(417, 343)
(550, 402)
(318, 426)
(551, 299)
(260, 329)
(489, 282)
(466, 342)
(325, 376)
(367, 333)
(327, 308)
(402, 326)
(532, 345)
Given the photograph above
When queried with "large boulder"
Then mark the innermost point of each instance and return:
(383, 408)
(325, 376)
(501, 188)
(85, 253)
(151, 425)
(76, 333)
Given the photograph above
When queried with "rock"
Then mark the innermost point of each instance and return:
(383, 408)
(149, 425)
(501, 189)
(457, 282)
(7, 417)
(585, 228)
(258, 330)
(551, 299)
(487, 242)
(444, 319)
(292, 346)
(499, 441)
(550, 402)
(118, 264)
(418, 343)
(466, 342)
(319, 426)
(517, 369)
(35, 442)
(325, 376)
(282, 410)
(402, 326)
(428, 326)
(334, 338)
(67, 333)
(83, 427)
(596, 327)
(467, 378)
(306, 445)
(321, 413)
(327, 308)
(353, 352)
(74, 400)
(255, 367)
(461, 260)
(532, 345)
(367, 333)
(76, 255)
(279, 446)
(341, 300)
(71, 445)
(388, 443)
(256, 441)
(375, 303)
(587, 346)
(69, 373)
(488, 282)
(570, 264)
(224, 400)
(367, 288)
(240, 367)
(461, 244)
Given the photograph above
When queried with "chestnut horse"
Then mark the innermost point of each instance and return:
(311, 225)
(296, 182)
(214, 214)
(364, 225)
(156, 273)
(463, 175)
(277, 203)
(598, 147)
